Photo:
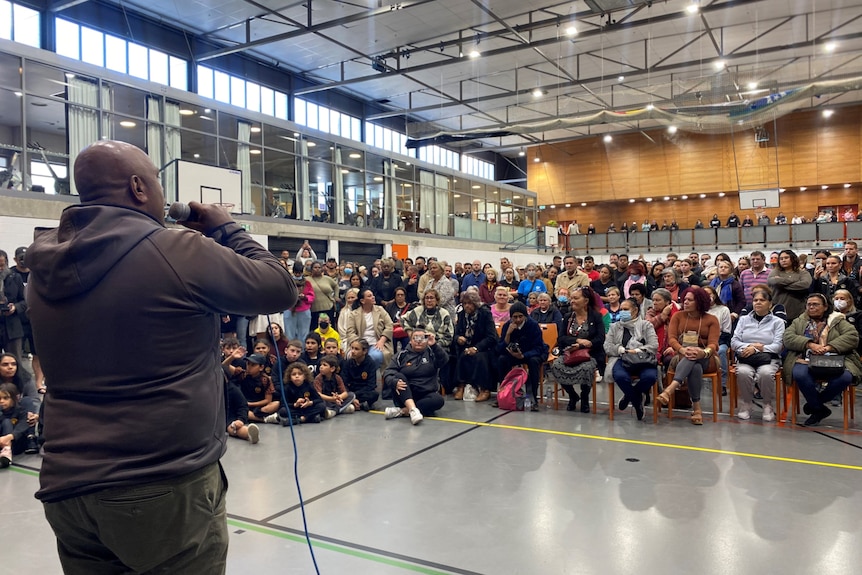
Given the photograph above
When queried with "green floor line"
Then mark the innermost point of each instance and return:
(23, 471)
(337, 548)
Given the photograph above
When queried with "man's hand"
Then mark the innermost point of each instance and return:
(206, 218)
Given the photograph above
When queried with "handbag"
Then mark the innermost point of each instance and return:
(638, 360)
(827, 366)
(572, 356)
(756, 360)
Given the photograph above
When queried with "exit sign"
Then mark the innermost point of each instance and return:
(246, 227)
(838, 244)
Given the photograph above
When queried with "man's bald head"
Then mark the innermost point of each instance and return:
(118, 173)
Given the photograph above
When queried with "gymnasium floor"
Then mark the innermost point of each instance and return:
(479, 490)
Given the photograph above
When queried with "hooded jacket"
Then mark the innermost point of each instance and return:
(125, 314)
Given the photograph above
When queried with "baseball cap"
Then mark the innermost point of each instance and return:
(256, 358)
(19, 253)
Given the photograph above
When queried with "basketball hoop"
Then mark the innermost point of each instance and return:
(226, 206)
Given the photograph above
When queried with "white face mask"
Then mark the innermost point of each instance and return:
(840, 304)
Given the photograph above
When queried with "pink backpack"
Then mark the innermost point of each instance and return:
(511, 393)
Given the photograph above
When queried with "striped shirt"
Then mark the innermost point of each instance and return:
(749, 279)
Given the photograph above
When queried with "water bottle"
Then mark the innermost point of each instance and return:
(549, 397)
(528, 402)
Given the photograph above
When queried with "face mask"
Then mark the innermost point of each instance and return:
(531, 275)
(625, 315)
(840, 304)
(323, 326)
(562, 299)
(348, 271)
(635, 277)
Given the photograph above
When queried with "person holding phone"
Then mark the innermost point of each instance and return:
(413, 377)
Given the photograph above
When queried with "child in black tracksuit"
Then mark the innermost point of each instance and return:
(359, 373)
(16, 435)
(331, 388)
(306, 405)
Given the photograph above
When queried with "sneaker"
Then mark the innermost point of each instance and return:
(253, 433)
(349, 409)
(364, 406)
(32, 445)
(393, 412)
(272, 418)
(768, 413)
(415, 416)
(5, 457)
(836, 402)
(743, 414)
(315, 419)
(330, 413)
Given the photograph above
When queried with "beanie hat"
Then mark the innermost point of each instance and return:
(518, 307)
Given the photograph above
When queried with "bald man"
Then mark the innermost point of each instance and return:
(125, 315)
(476, 277)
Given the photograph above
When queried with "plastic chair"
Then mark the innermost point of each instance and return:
(848, 402)
(714, 377)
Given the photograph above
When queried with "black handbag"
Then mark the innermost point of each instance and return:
(638, 360)
(827, 366)
(756, 360)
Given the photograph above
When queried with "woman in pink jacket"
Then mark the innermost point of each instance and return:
(297, 321)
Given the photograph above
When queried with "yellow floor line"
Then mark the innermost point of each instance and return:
(654, 444)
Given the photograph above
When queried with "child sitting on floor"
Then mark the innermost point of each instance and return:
(305, 403)
(332, 347)
(236, 413)
(16, 435)
(331, 388)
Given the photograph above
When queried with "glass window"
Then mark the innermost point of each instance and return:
(92, 46)
(281, 105)
(252, 96)
(179, 73)
(40, 174)
(205, 82)
(356, 129)
(158, 67)
(115, 54)
(139, 61)
(323, 119)
(222, 87)
(68, 41)
(267, 101)
(237, 91)
(27, 26)
(311, 115)
(6, 20)
(300, 111)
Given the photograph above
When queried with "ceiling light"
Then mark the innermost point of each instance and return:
(522, 153)
(254, 152)
(829, 47)
(19, 94)
(255, 129)
(378, 179)
(571, 31)
(828, 113)
(477, 200)
(752, 85)
(186, 112)
(846, 185)
(408, 185)
(671, 129)
(536, 160)
(311, 144)
(666, 198)
(69, 75)
(824, 187)
(537, 93)
(692, 8)
(781, 190)
(719, 64)
(355, 156)
(720, 194)
(345, 171)
(631, 201)
(684, 197)
(207, 110)
(583, 204)
(649, 199)
(196, 156)
(495, 191)
(608, 138)
(516, 197)
(128, 124)
(296, 134)
(620, 78)
(802, 188)
(552, 206)
(475, 186)
(567, 205)
(407, 163)
(650, 107)
(475, 53)
(456, 195)
(703, 195)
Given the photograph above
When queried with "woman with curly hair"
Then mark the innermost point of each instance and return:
(790, 284)
(693, 334)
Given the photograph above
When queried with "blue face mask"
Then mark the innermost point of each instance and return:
(348, 271)
(562, 299)
(625, 315)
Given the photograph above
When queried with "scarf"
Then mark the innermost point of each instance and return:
(725, 293)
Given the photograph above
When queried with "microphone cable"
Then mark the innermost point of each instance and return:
(293, 439)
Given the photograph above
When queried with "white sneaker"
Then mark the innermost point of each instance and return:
(272, 418)
(393, 412)
(768, 413)
(5, 457)
(253, 433)
(415, 416)
(330, 413)
(743, 414)
(349, 408)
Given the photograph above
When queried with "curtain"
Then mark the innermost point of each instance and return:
(83, 119)
(154, 132)
(173, 148)
(390, 196)
(441, 206)
(243, 163)
(302, 195)
(426, 201)
(337, 190)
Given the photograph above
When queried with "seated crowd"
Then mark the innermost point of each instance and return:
(414, 331)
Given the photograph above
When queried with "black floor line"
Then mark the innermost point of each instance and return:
(357, 546)
(838, 439)
(376, 471)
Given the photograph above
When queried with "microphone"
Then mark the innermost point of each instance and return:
(181, 212)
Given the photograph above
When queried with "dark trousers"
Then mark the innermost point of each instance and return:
(316, 408)
(474, 369)
(368, 394)
(426, 401)
(816, 399)
(623, 379)
(173, 526)
(507, 362)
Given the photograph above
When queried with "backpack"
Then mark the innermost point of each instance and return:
(511, 393)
